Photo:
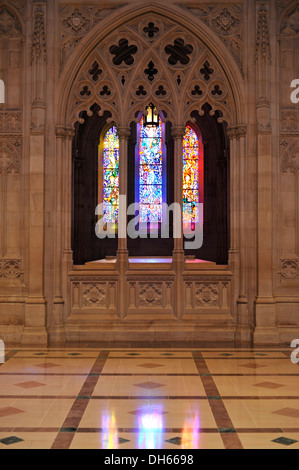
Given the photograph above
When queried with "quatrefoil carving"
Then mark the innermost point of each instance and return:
(123, 52)
(178, 52)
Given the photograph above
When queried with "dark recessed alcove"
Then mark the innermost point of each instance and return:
(85, 244)
(216, 187)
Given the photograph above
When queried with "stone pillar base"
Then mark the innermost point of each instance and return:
(243, 335)
(35, 331)
(265, 331)
(265, 335)
(57, 334)
(34, 336)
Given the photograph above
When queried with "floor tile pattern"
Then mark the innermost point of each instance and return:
(87, 397)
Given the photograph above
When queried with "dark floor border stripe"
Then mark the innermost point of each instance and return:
(40, 375)
(136, 430)
(145, 374)
(70, 374)
(221, 416)
(55, 357)
(142, 349)
(134, 358)
(157, 358)
(148, 397)
(64, 438)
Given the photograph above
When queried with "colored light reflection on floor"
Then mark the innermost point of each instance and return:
(109, 434)
(150, 428)
(190, 435)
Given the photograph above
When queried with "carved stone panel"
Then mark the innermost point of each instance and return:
(226, 22)
(290, 24)
(289, 268)
(10, 122)
(94, 295)
(10, 154)
(289, 160)
(206, 295)
(76, 21)
(150, 295)
(10, 269)
(11, 54)
(10, 26)
(38, 49)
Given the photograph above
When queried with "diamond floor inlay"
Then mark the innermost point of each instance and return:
(31, 384)
(149, 385)
(147, 411)
(291, 412)
(47, 365)
(253, 366)
(150, 365)
(269, 385)
(9, 411)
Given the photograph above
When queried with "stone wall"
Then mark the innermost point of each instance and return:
(57, 58)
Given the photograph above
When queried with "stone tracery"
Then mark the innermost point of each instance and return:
(159, 67)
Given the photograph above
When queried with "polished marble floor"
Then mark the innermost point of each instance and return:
(79, 397)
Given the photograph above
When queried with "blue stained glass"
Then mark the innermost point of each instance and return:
(150, 173)
(150, 212)
(110, 212)
(151, 194)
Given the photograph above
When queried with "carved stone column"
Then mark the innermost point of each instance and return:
(35, 307)
(56, 330)
(38, 62)
(243, 332)
(122, 252)
(178, 258)
(66, 224)
(234, 253)
(123, 134)
(265, 314)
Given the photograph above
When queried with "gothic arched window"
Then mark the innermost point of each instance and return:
(150, 178)
(151, 182)
(192, 176)
(109, 175)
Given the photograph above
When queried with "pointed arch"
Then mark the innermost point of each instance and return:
(230, 71)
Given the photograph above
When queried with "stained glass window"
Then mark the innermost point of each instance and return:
(192, 176)
(110, 175)
(150, 173)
